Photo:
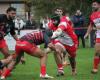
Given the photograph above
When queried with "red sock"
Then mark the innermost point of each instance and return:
(96, 62)
(6, 73)
(60, 67)
(0, 72)
(43, 70)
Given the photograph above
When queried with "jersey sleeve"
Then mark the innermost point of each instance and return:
(63, 25)
(90, 20)
(2, 18)
(51, 26)
(46, 40)
(12, 29)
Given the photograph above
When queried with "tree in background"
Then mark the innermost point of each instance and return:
(45, 7)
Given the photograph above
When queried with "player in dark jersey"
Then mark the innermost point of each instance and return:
(28, 43)
(7, 26)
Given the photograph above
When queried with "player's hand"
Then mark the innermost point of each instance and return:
(1, 35)
(51, 46)
(86, 35)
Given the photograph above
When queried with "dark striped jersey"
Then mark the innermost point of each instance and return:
(37, 37)
(8, 25)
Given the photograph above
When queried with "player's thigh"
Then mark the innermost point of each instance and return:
(97, 48)
(38, 53)
(5, 51)
(71, 51)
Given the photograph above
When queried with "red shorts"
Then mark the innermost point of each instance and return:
(24, 46)
(97, 40)
(70, 49)
(3, 43)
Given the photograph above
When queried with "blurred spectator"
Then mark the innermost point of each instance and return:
(78, 21)
(19, 24)
(31, 23)
(44, 22)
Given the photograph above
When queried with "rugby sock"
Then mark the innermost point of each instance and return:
(96, 62)
(0, 72)
(60, 67)
(43, 70)
(6, 73)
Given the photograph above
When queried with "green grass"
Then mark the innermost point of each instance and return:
(30, 71)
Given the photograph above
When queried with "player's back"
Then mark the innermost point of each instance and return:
(67, 28)
(35, 37)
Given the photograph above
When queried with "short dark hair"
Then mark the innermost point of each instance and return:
(10, 9)
(61, 8)
(98, 1)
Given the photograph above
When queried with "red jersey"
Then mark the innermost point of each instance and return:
(95, 18)
(68, 37)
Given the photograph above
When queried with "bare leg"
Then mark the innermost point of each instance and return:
(5, 51)
(96, 58)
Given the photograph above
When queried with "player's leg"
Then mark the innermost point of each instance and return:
(15, 60)
(6, 61)
(72, 55)
(73, 64)
(4, 49)
(58, 55)
(96, 58)
(37, 52)
(59, 49)
(33, 50)
(65, 61)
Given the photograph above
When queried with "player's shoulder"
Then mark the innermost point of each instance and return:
(65, 18)
(93, 14)
(2, 16)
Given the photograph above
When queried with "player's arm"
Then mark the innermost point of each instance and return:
(5, 62)
(13, 33)
(15, 37)
(61, 27)
(90, 27)
(46, 40)
(57, 33)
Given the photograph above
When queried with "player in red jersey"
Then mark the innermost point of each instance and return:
(27, 44)
(95, 20)
(62, 12)
(64, 35)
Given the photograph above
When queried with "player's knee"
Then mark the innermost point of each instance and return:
(6, 55)
(97, 54)
(42, 54)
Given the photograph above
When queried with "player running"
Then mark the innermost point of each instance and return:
(64, 35)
